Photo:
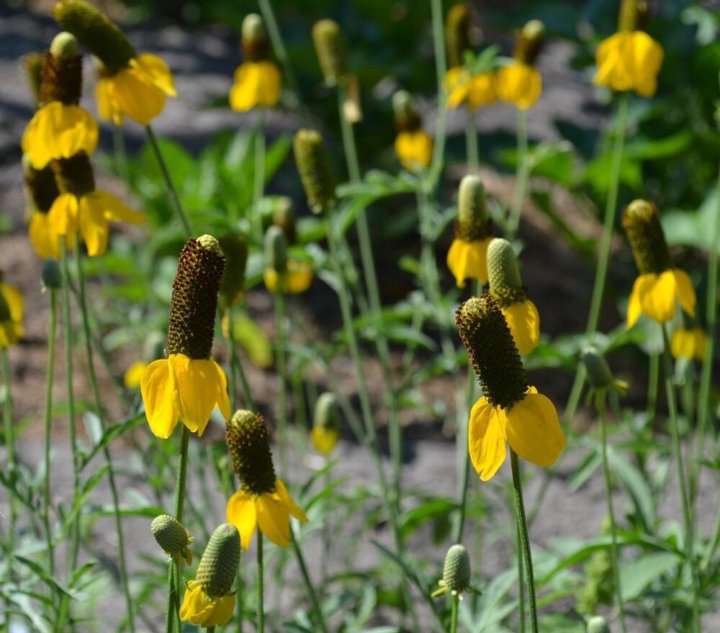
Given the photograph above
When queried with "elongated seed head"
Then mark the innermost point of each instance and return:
(170, 534)
(456, 571)
(473, 221)
(219, 563)
(255, 44)
(504, 273)
(327, 412)
(62, 71)
(249, 445)
(314, 168)
(457, 33)
(641, 221)
(529, 42)
(407, 118)
(276, 250)
(234, 248)
(330, 49)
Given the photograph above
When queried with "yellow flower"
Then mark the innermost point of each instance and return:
(324, 439)
(137, 91)
(270, 511)
(414, 149)
(531, 427)
(133, 376)
(59, 131)
(297, 279)
(629, 60)
(689, 343)
(199, 608)
(257, 84)
(520, 84)
(89, 214)
(476, 91)
(12, 306)
(181, 388)
(468, 260)
(655, 294)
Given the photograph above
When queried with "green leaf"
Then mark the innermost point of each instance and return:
(640, 573)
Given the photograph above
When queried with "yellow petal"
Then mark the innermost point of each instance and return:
(107, 108)
(270, 277)
(221, 398)
(285, 497)
(63, 214)
(44, 239)
(34, 142)
(157, 387)
(273, 516)
(634, 303)
(486, 439)
(194, 602)
(414, 149)
(657, 296)
(93, 225)
(324, 440)
(70, 130)
(468, 260)
(519, 84)
(114, 209)
(16, 306)
(533, 430)
(221, 611)
(135, 96)
(523, 321)
(482, 90)
(256, 84)
(685, 291)
(457, 81)
(241, 511)
(156, 71)
(197, 383)
(647, 56)
(300, 276)
(682, 343)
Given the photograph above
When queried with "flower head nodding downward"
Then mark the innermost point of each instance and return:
(510, 411)
(189, 384)
(599, 376)
(257, 81)
(129, 84)
(263, 500)
(413, 146)
(520, 83)
(467, 257)
(209, 600)
(173, 538)
(284, 273)
(326, 423)
(507, 289)
(659, 286)
(314, 167)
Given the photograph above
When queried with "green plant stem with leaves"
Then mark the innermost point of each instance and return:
(308, 583)
(172, 192)
(260, 585)
(12, 469)
(100, 413)
(682, 482)
(49, 380)
(438, 30)
(522, 176)
(614, 554)
(524, 541)
(621, 123)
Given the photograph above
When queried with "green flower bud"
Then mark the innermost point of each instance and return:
(504, 273)
(172, 537)
(597, 624)
(327, 412)
(599, 374)
(219, 563)
(456, 571)
(254, 38)
(233, 282)
(51, 275)
(407, 118)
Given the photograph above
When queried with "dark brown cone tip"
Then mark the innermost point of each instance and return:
(249, 444)
(485, 334)
(194, 301)
(61, 79)
(473, 231)
(74, 175)
(42, 187)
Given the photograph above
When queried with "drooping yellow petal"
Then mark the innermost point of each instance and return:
(43, 238)
(657, 296)
(241, 511)
(16, 305)
(63, 215)
(519, 84)
(93, 224)
(523, 321)
(273, 516)
(156, 71)
(457, 81)
(255, 84)
(194, 602)
(685, 291)
(634, 303)
(197, 387)
(133, 95)
(200, 609)
(324, 440)
(157, 387)
(414, 149)
(107, 108)
(300, 276)
(629, 61)
(468, 260)
(533, 430)
(114, 209)
(34, 142)
(486, 439)
(482, 90)
(295, 509)
(647, 58)
(221, 398)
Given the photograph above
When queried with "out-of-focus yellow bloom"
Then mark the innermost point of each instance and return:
(12, 306)
(257, 84)
(689, 343)
(295, 280)
(629, 61)
(59, 131)
(476, 91)
(137, 91)
(324, 439)
(519, 84)
(414, 149)
(133, 376)
(90, 214)
(655, 294)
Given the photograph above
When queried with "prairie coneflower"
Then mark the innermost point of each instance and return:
(467, 257)
(325, 432)
(60, 128)
(283, 273)
(659, 286)
(174, 539)
(42, 192)
(510, 411)
(209, 600)
(690, 343)
(413, 146)
(189, 384)
(630, 59)
(520, 83)
(257, 81)
(506, 288)
(314, 167)
(129, 84)
(263, 500)
(81, 207)
(12, 306)
(456, 572)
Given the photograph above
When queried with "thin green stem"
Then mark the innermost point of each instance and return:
(181, 474)
(523, 174)
(308, 583)
(49, 380)
(454, 609)
(281, 351)
(261, 585)
(172, 192)
(522, 615)
(100, 413)
(682, 481)
(652, 390)
(348, 137)
(604, 248)
(233, 358)
(525, 540)
(440, 73)
(11, 467)
(171, 604)
(259, 185)
(471, 144)
(611, 511)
